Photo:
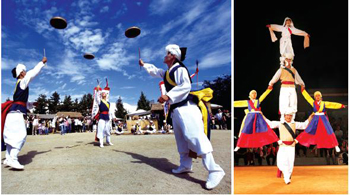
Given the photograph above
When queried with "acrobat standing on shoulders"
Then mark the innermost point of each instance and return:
(287, 29)
(319, 132)
(289, 77)
(254, 130)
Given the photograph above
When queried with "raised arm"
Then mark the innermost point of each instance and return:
(308, 97)
(152, 70)
(31, 74)
(263, 96)
(301, 125)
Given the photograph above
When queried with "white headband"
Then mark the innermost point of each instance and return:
(175, 50)
(19, 69)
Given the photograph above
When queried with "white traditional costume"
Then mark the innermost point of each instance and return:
(286, 151)
(105, 117)
(187, 120)
(288, 95)
(15, 131)
(286, 41)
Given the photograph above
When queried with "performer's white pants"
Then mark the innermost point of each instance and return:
(15, 134)
(103, 130)
(288, 98)
(285, 161)
(286, 46)
(189, 135)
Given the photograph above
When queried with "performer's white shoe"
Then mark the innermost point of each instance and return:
(14, 164)
(214, 179)
(5, 162)
(110, 143)
(181, 169)
(236, 149)
(101, 146)
(337, 149)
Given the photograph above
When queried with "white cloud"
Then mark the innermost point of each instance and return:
(10, 82)
(115, 58)
(215, 59)
(160, 7)
(127, 87)
(104, 9)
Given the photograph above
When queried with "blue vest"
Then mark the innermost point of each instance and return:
(104, 108)
(168, 86)
(20, 95)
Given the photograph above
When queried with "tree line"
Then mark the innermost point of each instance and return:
(53, 104)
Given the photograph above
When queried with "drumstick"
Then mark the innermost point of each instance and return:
(44, 53)
(140, 56)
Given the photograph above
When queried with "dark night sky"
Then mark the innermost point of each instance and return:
(256, 58)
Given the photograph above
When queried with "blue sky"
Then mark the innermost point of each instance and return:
(97, 26)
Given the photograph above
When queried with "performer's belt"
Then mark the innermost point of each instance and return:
(288, 142)
(104, 112)
(182, 103)
(288, 83)
(21, 103)
(319, 113)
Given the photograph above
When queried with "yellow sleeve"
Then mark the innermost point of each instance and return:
(333, 105)
(308, 98)
(263, 96)
(240, 103)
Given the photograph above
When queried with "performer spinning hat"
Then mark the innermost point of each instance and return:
(186, 116)
(104, 125)
(14, 130)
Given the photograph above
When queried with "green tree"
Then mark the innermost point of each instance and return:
(75, 105)
(85, 104)
(42, 104)
(54, 103)
(143, 103)
(120, 112)
(222, 90)
(67, 104)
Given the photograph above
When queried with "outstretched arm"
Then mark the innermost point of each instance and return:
(276, 27)
(298, 32)
(152, 70)
(31, 74)
(334, 105)
(263, 96)
(308, 97)
(240, 103)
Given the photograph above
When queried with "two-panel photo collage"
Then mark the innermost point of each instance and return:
(174, 97)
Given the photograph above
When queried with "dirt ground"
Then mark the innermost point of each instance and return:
(75, 164)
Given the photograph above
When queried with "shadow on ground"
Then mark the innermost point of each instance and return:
(162, 164)
(28, 158)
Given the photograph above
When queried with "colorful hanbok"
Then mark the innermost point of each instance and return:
(254, 132)
(319, 132)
